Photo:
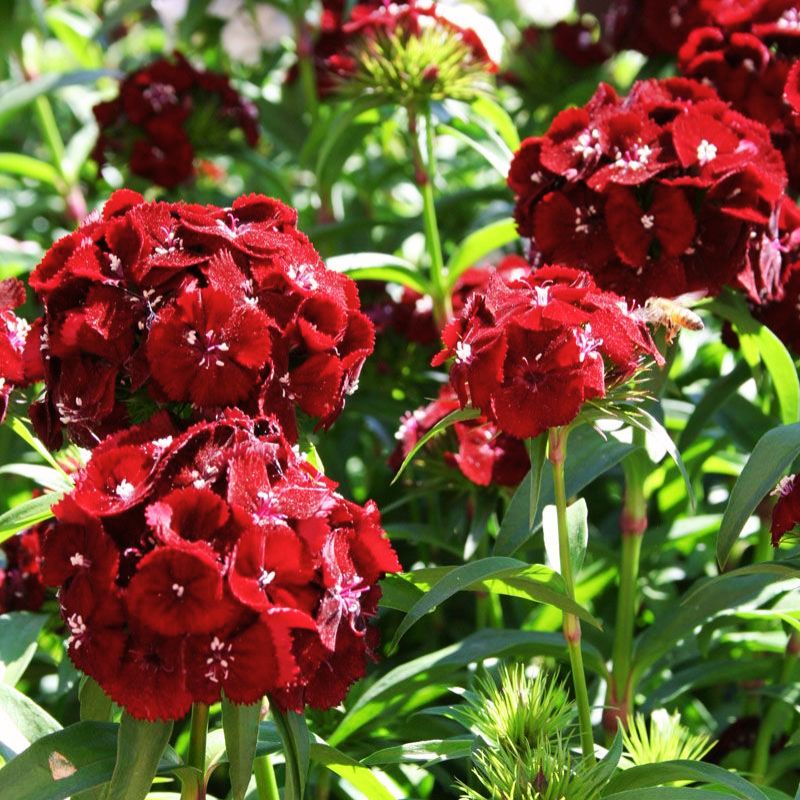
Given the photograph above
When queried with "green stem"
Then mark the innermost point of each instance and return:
(572, 626)
(425, 170)
(774, 718)
(266, 783)
(305, 64)
(633, 526)
(197, 741)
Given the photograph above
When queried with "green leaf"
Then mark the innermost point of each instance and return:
(500, 161)
(340, 125)
(478, 245)
(67, 762)
(16, 97)
(22, 722)
(19, 427)
(758, 341)
(589, 456)
(379, 267)
(240, 724)
(641, 777)
(535, 583)
(669, 793)
(518, 521)
(19, 632)
(432, 751)
(608, 766)
(578, 530)
(769, 461)
(459, 415)
(295, 737)
(28, 167)
(27, 514)
(497, 117)
(95, 704)
(674, 625)
(46, 477)
(355, 773)
(713, 397)
(140, 747)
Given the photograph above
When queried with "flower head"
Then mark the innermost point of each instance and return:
(665, 192)
(170, 305)
(214, 560)
(536, 356)
(411, 52)
(167, 112)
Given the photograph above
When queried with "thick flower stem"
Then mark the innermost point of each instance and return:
(424, 172)
(632, 525)
(572, 625)
(266, 783)
(197, 741)
(775, 716)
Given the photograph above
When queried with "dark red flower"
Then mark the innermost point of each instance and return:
(484, 455)
(165, 114)
(529, 353)
(21, 585)
(20, 357)
(212, 560)
(639, 190)
(158, 305)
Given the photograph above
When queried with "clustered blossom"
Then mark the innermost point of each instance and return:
(21, 586)
(214, 560)
(408, 50)
(20, 361)
(193, 308)
(529, 352)
(484, 455)
(411, 313)
(786, 513)
(165, 114)
(749, 55)
(662, 192)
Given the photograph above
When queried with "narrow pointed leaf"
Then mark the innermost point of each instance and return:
(240, 724)
(95, 704)
(478, 245)
(769, 461)
(19, 631)
(354, 772)
(22, 722)
(578, 531)
(458, 415)
(140, 747)
(27, 514)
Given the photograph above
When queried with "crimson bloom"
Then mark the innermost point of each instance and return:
(664, 192)
(20, 358)
(214, 560)
(483, 454)
(529, 352)
(170, 305)
(165, 113)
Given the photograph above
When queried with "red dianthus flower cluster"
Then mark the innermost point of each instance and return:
(529, 352)
(216, 560)
(485, 456)
(663, 192)
(747, 52)
(168, 304)
(166, 112)
(20, 360)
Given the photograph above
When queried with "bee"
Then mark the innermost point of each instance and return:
(670, 314)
